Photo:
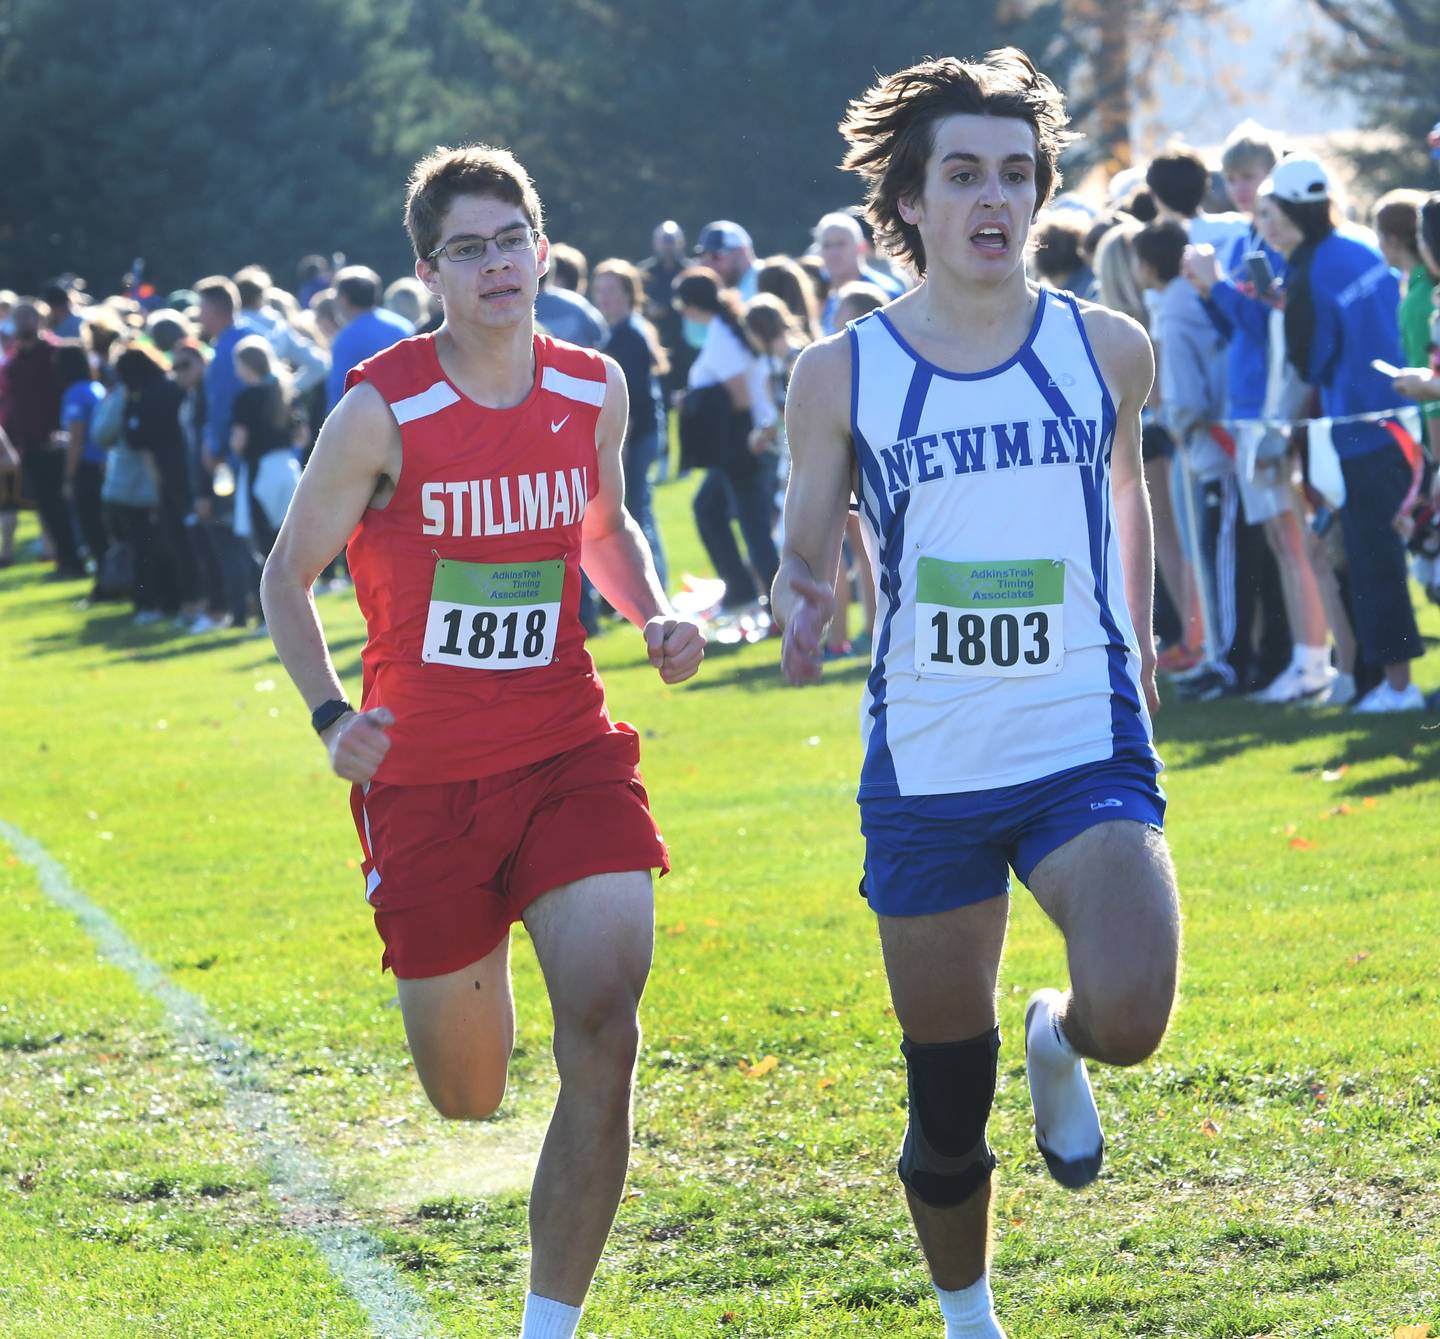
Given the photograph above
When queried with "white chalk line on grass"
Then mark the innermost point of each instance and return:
(298, 1180)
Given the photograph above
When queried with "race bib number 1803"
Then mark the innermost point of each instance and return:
(984, 620)
(494, 616)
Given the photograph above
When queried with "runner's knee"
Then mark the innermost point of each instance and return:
(945, 1158)
(469, 1097)
(598, 1038)
(1129, 1028)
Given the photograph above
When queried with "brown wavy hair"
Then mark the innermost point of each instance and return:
(474, 169)
(890, 130)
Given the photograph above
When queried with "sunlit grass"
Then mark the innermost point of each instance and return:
(1271, 1172)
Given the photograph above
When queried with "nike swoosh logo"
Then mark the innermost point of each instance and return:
(555, 427)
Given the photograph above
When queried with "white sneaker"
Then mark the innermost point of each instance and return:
(1341, 694)
(1295, 683)
(1384, 699)
(146, 617)
(202, 623)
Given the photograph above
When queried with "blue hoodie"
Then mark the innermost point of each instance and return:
(1356, 297)
(1244, 321)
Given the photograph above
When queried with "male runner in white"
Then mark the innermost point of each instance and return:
(991, 432)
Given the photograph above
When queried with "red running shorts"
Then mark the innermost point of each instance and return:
(450, 867)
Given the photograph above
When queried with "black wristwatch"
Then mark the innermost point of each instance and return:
(327, 713)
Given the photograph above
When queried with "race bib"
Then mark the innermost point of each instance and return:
(499, 616)
(989, 620)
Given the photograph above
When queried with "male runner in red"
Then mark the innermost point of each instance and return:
(470, 470)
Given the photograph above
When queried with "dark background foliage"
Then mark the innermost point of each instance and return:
(205, 136)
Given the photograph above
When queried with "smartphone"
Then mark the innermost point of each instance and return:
(1257, 266)
(1386, 369)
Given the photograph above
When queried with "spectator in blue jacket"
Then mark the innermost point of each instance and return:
(1222, 278)
(1341, 312)
(223, 325)
(367, 328)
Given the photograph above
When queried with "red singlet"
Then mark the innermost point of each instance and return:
(469, 577)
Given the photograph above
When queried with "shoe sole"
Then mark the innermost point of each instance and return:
(1072, 1173)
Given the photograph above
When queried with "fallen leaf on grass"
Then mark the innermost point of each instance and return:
(1412, 1332)
(677, 929)
(1370, 802)
(1290, 829)
(727, 1318)
(711, 923)
(760, 1068)
(1356, 959)
(1340, 810)
(825, 1083)
(1300, 844)
(1333, 773)
(1209, 1129)
(1317, 1091)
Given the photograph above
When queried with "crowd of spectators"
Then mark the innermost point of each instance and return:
(160, 441)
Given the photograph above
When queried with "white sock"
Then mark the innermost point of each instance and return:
(970, 1312)
(1066, 1120)
(546, 1319)
(1312, 660)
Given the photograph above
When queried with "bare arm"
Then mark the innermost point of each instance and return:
(617, 557)
(358, 449)
(1123, 352)
(817, 423)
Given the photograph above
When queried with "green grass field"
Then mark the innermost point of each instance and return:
(1272, 1172)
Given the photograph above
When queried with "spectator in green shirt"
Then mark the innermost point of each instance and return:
(1397, 223)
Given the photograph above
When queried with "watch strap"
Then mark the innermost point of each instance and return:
(327, 713)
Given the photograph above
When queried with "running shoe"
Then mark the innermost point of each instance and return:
(1208, 684)
(1382, 699)
(1296, 684)
(1341, 693)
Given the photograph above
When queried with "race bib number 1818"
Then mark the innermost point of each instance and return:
(984, 620)
(494, 616)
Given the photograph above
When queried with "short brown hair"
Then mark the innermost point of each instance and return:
(1397, 215)
(474, 169)
(891, 132)
(219, 290)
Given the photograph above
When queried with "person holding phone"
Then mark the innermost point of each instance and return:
(1241, 295)
(1341, 314)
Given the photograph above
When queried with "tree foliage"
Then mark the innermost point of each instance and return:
(1387, 53)
(205, 136)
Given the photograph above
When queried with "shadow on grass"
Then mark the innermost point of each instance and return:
(111, 627)
(1219, 733)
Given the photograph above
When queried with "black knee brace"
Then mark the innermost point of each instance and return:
(945, 1158)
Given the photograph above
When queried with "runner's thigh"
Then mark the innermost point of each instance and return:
(594, 939)
(1111, 890)
(461, 1028)
(942, 969)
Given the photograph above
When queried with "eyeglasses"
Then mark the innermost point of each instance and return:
(508, 241)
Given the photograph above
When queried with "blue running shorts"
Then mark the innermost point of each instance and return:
(931, 853)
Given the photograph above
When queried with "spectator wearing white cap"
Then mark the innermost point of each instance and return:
(1263, 465)
(726, 248)
(1341, 312)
